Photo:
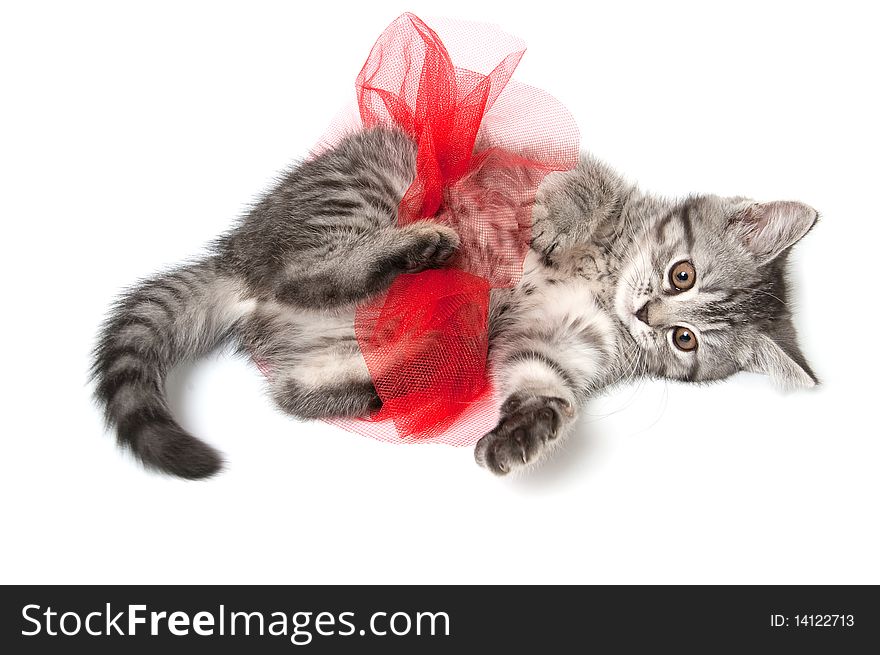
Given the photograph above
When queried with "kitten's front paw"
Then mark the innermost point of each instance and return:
(548, 238)
(431, 246)
(528, 425)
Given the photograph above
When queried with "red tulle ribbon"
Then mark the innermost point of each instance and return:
(484, 146)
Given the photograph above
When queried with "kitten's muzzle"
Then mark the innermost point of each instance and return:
(642, 314)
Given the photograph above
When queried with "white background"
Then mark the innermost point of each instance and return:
(133, 133)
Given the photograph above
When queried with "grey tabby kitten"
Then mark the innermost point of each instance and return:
(618, 284)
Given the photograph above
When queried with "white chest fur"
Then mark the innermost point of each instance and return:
(554, 317)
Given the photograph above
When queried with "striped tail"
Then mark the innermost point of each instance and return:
(171, 318)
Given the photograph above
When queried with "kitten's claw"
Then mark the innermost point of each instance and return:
(433, 245)
(528, 425)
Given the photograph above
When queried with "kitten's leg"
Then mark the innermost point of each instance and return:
(579, 206)
(539, 410)
(544, 367)
(313, 391)
(351, 265)
(312, 361)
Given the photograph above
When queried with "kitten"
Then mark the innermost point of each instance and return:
(617, 284)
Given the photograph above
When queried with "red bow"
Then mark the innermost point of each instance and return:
(425, 341)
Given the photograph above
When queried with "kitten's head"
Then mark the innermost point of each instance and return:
(704, 293)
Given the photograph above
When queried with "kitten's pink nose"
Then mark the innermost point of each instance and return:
(642, 314)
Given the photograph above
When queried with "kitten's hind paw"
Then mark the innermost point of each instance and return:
(528, 426)
(430, 245)
(353, 400)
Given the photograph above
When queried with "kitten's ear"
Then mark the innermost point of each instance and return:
(782, 361)
(769, 228)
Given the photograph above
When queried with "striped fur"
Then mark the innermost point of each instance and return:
(280, 286)
(592, 309)
(171, 318)
(601, 252)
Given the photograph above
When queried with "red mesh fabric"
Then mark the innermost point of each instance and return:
(409, 81)
(484, 146)
(426, 344)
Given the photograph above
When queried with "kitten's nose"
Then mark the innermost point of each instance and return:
(642, 314)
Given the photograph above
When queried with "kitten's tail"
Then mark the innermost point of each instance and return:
(173, 317)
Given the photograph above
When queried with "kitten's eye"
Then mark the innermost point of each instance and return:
(683, 276)
(683, 338)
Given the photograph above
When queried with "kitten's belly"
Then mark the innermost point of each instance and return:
(560, 308)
